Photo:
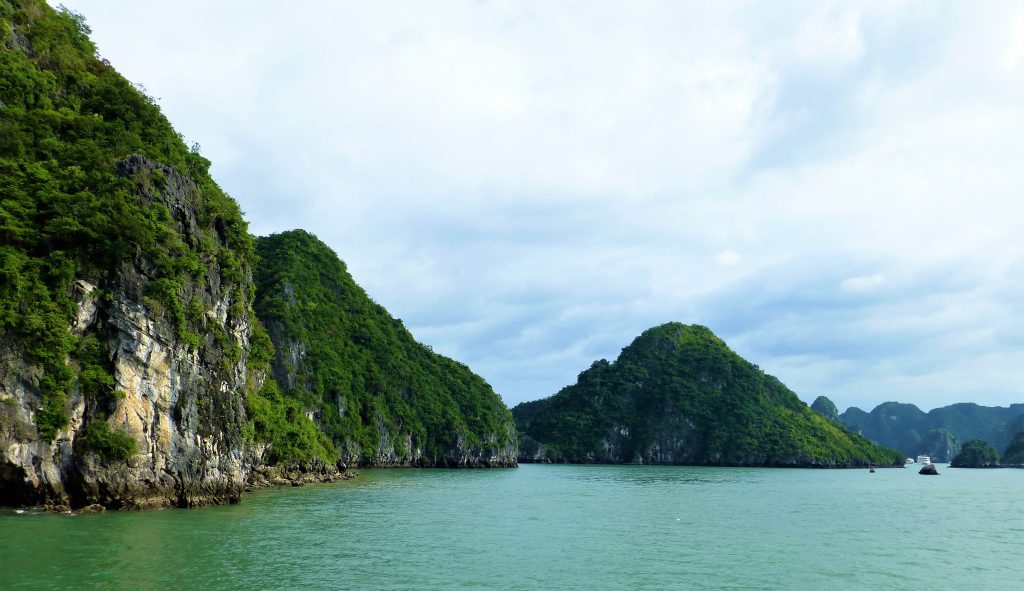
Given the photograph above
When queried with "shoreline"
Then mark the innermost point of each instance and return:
(259, 478)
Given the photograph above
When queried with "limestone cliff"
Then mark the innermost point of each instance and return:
(179, 396)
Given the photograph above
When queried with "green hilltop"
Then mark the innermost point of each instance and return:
(679, 395)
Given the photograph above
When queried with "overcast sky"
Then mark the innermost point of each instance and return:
(836, 189)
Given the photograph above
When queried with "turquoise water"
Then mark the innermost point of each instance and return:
(552, 527)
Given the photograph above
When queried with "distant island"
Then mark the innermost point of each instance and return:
(976, 453)
(940, 433)
(679, 395)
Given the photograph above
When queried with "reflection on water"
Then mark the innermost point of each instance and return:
(550, 527)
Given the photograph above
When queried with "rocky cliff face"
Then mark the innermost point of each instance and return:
(178, 397)
(941, 445)
(389, 453)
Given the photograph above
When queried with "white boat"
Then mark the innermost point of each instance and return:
(924, 460)
(909, 461)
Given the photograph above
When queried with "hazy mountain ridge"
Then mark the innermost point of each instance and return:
(940, 432)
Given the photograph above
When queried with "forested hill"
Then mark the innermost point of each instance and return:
(679, 395)
(382, 397)
(133, 369)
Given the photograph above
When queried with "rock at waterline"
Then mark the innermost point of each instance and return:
(94, 508)
(929, 470)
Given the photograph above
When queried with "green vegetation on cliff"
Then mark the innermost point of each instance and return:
(281, 423)
(679, 395)
(1014, 454)
(976, 453)
(66, 119)
(112, 445)
(380, 396)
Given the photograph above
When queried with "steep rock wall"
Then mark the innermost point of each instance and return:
(181, 403)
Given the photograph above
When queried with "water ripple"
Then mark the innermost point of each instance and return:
(550, 527)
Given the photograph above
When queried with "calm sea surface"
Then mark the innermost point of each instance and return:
(552, 527)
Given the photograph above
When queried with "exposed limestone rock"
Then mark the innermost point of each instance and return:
(532, 451)
(94, 508)
(492, 454)
(297, 475)
(184, 407)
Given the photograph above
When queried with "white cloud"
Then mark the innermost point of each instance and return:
(530, 185)
(830, 33)
(728, 258)
(863, 283)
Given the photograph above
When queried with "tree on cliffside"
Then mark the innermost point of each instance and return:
(976, 453)
(1014, 454)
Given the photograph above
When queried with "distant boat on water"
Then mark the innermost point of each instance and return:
(910, 460)
(924, 460)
